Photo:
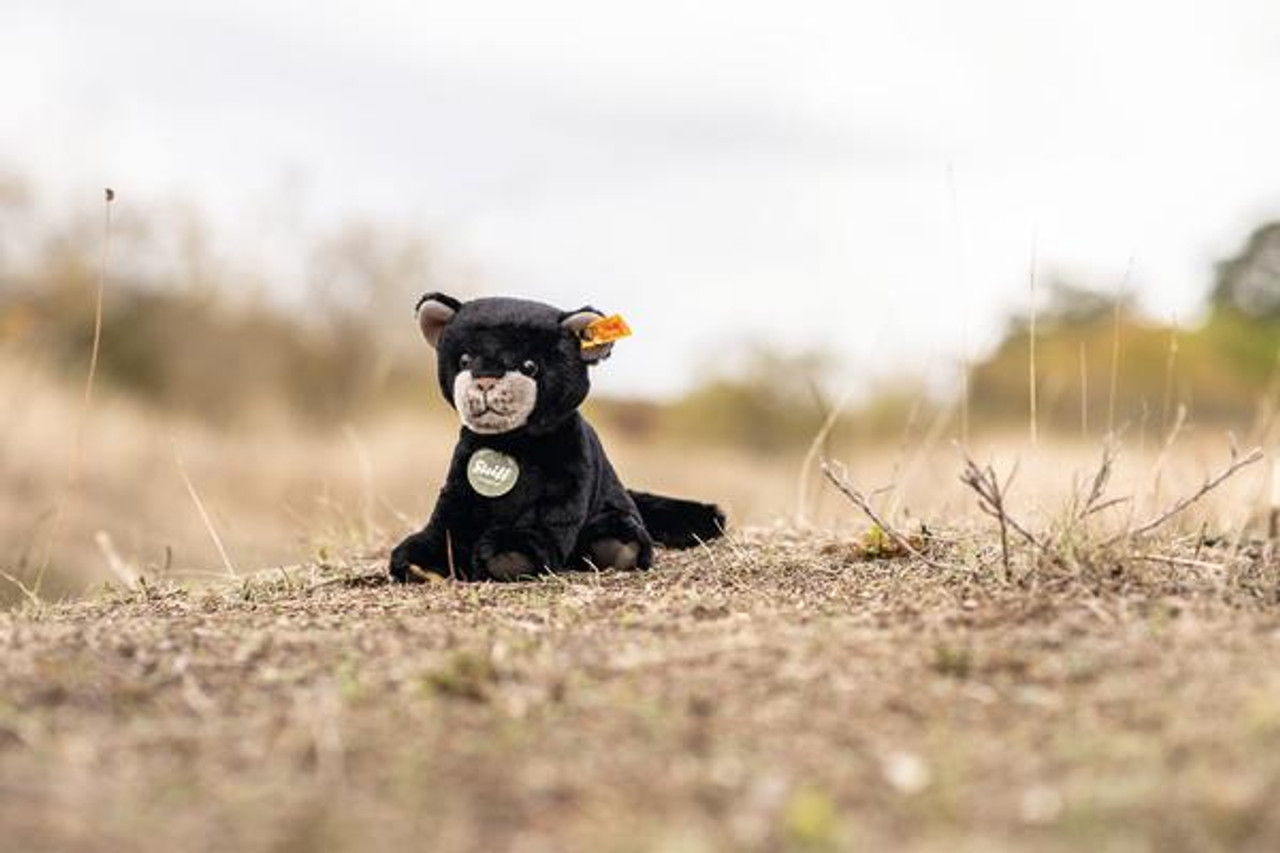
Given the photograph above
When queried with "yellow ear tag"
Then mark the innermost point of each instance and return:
(606, 330)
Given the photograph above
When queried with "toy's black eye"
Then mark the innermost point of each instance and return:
(529, 367)
(464, 362)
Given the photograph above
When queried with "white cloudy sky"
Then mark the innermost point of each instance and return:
(864, 175)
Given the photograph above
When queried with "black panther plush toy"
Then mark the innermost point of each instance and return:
(530, 488)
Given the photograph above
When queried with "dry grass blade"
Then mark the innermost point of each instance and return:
(123, 571)
(1031, 358)
(1170, 372)
(1084, 393)
(962, 284)
(1095, 502)
(1117, 323)
(838, 479)
(1237, 463)
(77, 449)
(204, 514)
(27, 592)
(810, 457)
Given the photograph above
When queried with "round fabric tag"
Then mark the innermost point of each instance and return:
(491, 473)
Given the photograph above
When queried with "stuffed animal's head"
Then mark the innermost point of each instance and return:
(507, 364)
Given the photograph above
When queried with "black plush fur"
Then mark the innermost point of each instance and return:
(568, 509)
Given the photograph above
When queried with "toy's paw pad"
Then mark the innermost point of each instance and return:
(509, 566)
(411, 562)
(613, 553)
(401, 568)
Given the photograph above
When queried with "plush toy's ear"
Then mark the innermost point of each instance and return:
(435, 310)
(575, 322)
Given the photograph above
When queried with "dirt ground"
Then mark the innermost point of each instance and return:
(775, 691)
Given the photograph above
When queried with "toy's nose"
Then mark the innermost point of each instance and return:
(484, 383)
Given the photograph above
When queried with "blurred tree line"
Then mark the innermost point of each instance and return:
(206, 331)
(1225, 369)
(194, 329)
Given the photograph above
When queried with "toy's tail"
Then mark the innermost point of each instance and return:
(678, 523)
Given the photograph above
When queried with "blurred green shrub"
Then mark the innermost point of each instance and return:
(188, 334)
(186, 331)
(768, 401)
(1223, 371)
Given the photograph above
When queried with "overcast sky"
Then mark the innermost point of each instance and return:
(868, 176)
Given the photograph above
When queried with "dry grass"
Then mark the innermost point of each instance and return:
(1083, 656)
(279, 493)
(180, 498)
(1093, 665)
(777, 691)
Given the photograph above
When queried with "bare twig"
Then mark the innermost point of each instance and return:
(835, 473)
(30, 594)
(1177, 561)
(991, 493)
(1105, 505)
(1237, 462)
(991, 500)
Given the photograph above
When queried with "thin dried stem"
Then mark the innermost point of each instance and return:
(991, 500)
(1237, 463)
(77, 448)
(122, 570)
(448, 551)
(27, 592)
(811, 456)
(1084, 393)
(840, 480)
(963, 285)
(1177, 561)
(1094, 502)
(1115, 348)
(204, 514)
(992, 492)
(1031, 367)
(1170, 368)
(1157, 472)
(924, 448)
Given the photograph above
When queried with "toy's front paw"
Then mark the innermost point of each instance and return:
(413, 558)
(508, 556)
(611, 553)
(616, 541)
(509, 566)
